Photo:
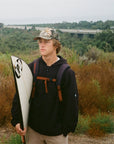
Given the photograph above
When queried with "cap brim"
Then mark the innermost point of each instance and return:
(36, 38)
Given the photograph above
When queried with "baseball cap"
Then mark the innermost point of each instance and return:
(48, 34)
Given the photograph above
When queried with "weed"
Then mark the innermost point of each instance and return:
(95, 86)
(100, 124)
(83, 124)
(94, 81)
(14, 139)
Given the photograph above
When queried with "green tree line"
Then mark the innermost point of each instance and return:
(80, 25)
(12, 40)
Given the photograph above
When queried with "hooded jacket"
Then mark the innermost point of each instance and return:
(47, 114)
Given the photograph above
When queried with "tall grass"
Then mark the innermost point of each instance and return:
(97, 125)
(101, 124)
(83, 124)
(7, 89)
(95, 86)
(14, 139)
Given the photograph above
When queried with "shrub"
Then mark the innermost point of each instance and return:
(69, 54)
(100, 124)
(14, 139)
(94, 53)
(83, 124)
(7, 90)
(95, 86)
(94, 81)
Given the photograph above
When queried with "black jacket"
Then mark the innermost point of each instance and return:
(47, 114)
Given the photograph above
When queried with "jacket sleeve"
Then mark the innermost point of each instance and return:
(70, 102)
(16, 111)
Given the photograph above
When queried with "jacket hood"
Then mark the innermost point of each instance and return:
(59, 62)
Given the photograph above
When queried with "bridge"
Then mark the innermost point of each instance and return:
(75, 31)
(81, 31)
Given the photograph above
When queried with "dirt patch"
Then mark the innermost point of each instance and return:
(6, 132)
(84, 139)
(73, 139)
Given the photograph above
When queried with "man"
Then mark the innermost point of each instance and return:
(50, 119)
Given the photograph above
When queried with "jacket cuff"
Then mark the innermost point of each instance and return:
(65, 132)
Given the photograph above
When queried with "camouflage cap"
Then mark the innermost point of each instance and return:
(48, 33)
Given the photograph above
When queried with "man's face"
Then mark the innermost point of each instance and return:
(46, 47)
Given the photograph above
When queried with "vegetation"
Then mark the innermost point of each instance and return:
(94, 80)
(13, 40)
(14, 139)
(100, 124)
(81, 25)
(92, 60)
(1, 25)
(105, 41)
(97, 125)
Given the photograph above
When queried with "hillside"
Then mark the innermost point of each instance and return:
(92, 60)
(15, 40)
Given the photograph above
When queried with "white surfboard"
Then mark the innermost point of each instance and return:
(23, 81)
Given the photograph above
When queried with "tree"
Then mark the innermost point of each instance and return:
(1, 25)
(105, 40)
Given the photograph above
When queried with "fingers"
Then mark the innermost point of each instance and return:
(19, 130)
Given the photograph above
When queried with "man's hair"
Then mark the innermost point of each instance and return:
(57, 44)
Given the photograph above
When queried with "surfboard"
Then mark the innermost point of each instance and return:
(23, 82)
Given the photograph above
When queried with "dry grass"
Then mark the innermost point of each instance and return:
(94, 81)
(7, 91)
(95, 86)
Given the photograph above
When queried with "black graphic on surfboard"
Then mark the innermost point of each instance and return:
(18, 68)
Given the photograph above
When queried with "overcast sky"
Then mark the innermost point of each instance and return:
(43, 11)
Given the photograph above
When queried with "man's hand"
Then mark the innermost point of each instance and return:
(19, 130)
